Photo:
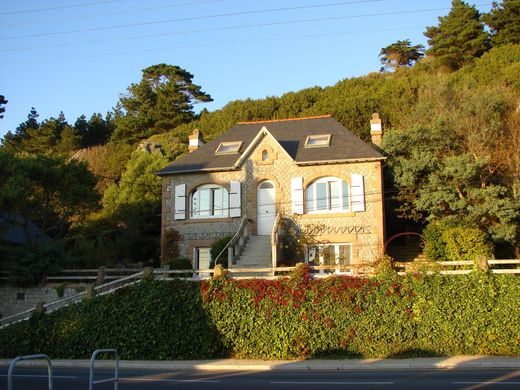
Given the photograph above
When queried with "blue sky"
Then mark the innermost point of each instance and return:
(78, 56)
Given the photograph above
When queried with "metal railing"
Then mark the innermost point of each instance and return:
(274, 240)
(238, 238)
(29, 357)
(115, 379)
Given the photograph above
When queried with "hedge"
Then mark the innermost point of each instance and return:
(296, 317)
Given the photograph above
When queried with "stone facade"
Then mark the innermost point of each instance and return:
(15, 300)
(269, 161)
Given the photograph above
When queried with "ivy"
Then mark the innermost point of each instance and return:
(296, 317)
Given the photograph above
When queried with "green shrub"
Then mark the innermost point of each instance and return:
(464, 243)
(434, 243)
(35, 262)
(60, 289)
(296, 317)
(180, 263)
(216, 249)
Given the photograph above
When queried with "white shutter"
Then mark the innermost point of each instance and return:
(180, 201)
(234, 199)
(297, 195)
(358, 193)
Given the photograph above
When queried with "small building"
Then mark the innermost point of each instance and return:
(310, 173)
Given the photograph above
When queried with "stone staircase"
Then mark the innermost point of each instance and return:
(256, 254)
(409, 253)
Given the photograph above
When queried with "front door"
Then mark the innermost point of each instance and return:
(266, 208)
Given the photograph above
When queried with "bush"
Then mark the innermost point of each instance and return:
(180, 263)
(434, 244)
(466, 244)
(216, 249)
(35, 262)
(296, 317)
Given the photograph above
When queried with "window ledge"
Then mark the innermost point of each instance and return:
(208, 220)
(329, 215)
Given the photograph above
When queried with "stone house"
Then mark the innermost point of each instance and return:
(310, 173)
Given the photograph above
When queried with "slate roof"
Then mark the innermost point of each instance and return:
(290, 134)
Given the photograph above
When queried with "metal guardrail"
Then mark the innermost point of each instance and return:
(28, 357)
(115, 379)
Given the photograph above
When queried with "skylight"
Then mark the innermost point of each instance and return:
(316, 141)
(228, 147)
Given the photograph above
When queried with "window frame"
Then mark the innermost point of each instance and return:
(337, 249)
(329, 200)
(236, 145)
(309, 141)
(211, 209)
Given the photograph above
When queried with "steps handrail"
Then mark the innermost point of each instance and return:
(233, 239)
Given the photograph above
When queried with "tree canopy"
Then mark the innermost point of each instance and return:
(460, 36)
(48, 191)
(160, 102)
(3, 102)
(400, 53)
(504, 22)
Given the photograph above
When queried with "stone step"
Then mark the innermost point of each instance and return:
(256, 254)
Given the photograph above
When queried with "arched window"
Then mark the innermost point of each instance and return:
(328, 194)
(265, 155)
(209, 201)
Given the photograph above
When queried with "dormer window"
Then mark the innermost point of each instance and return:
(316, 141)
(228, 147)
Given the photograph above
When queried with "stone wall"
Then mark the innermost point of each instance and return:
(15, 300)
(364, 230)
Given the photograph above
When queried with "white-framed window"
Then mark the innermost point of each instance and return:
(209, 201)
(318, 140)
(334, 254)
(326, 195)
(228, 147)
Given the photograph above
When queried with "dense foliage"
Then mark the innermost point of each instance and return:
(297, 317)
(459, 37)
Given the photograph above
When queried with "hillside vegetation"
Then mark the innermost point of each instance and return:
(452, 130)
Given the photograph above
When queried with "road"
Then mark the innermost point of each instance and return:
(75, 379)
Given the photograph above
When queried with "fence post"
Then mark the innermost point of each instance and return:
(148, 273)
(39, 308)
(101, 275)
(90, 290)
(482, 264)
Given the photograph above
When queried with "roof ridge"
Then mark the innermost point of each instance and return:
(286, 119)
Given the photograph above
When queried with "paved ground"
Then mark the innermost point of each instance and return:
(459, 362)
(35, 378)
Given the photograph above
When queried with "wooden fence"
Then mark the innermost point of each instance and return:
(102, 275)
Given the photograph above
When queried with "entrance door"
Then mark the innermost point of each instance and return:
(266, 208)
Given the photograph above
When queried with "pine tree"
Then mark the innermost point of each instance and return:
(400, 53)
(459, 37)
(13, 142)
(2, 103)
(504, 22)
(162, 101)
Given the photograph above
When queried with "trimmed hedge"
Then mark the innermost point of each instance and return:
(297, 317)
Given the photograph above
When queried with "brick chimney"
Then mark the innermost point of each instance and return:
(195, 140)
(376, 129)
